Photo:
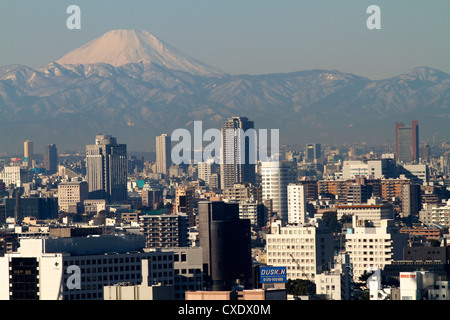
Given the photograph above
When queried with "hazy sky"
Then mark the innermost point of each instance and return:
(244, 36)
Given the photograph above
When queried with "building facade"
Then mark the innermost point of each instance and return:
(106, 170)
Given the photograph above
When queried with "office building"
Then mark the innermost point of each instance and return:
(407, 142)
(239, 152)
(163, 154)
(51, 159)
(373, 211)
(71, 196)
(106, 170)
(204, 170)
(411, 204)
(313, 152)
(297, 212)
(28, 153)
(305, 250)
(243, 192)
(184, 203)
(151, 198)
(188, 270)
(276, 176)
(78, 268)
(336, 283)
(225, 240)
(15, 176)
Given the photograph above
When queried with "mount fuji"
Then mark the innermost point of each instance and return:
(132, 85)
(120, 47)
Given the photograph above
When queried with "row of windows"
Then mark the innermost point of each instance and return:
(289, 240)
(93, 261)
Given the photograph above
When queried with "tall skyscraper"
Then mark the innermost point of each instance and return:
(163, 154)
(237, 165)
(313, 152)
(407, 142)
(50, 159)
(226, 245)
(276, 176)
(28, 152)
(106, 169)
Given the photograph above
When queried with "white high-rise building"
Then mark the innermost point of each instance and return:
(373, 247)
(276, 176)
(305, 250)
(296, 203)
(14, 175)
(204, 171)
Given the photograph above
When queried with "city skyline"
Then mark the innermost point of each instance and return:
(229, 150)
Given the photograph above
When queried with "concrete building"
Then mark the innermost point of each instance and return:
(375, 169)
(204, 170)
(370, 247)
(297, 212)
(28, 153)
(305, 250)
(313, 152)
(188, 269)
(151, 198)
(276, 176)
(239, 152)
(163, 154)
(441, 214)
(407, 142)
(413, 285)
(79, 268)
(243, 192)
(184, 203)
(373, 211)
(411, 203)
(106, 170)
(163, 231)
(71, 196)
(337, 283)
(143, 291)
(253, 211)
(14, 175)
(51, 159)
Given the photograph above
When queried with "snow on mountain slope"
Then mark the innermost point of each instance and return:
(120, 47)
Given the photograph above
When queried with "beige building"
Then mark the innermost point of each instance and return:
(71, 195)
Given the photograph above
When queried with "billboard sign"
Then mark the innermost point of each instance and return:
(272, 274)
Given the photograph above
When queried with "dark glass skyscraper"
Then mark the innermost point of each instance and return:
(225, 241)
(106, 169)
(50, 159)
(407, 142)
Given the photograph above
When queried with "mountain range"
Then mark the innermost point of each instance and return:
(133, 85)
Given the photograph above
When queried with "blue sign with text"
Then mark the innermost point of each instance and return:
(272, 274)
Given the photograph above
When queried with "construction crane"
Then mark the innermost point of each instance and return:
(299, 268)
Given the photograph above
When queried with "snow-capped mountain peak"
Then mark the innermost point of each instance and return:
(120, 47)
